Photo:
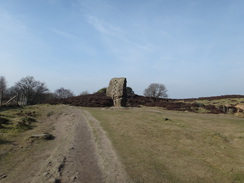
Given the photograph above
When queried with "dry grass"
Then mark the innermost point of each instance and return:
(188, 147)
(14, 139)
(217, 102)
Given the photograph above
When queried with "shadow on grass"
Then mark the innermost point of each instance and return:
(2, 141)
(3, 120)
(9, 107)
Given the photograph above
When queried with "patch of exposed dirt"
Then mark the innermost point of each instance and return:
(113, 170)
(240, 106)
(80, 152)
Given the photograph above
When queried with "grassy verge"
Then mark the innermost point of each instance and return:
(17, 125)
(167, 146)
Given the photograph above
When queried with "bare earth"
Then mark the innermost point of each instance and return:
(80, 152)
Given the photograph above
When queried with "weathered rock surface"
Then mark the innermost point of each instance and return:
(45, 136)
(117, 91)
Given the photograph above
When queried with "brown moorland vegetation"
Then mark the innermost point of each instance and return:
(214, 105)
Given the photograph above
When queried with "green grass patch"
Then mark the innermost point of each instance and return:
(239, 178)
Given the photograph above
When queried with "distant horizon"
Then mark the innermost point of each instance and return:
(140, 94)
(194, 48)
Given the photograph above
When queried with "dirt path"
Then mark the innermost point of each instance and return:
(80, 152)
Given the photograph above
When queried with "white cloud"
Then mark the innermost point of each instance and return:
(98, 25)
(106, 28)
(128, 49)
(121, 34)
(62, 33)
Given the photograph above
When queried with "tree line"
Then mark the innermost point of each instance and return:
(37, 91)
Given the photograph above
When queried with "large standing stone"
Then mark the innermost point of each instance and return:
(117, 91)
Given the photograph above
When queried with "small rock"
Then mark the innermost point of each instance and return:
(45, 136)
(45, 173)
(57, 181)
(3, 177)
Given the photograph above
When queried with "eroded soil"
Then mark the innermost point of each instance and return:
(80, 152)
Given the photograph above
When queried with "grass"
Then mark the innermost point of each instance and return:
(155, 145)
(18, 121)
(188, 147)
(217, 102)
(16, 146)
(21, 123)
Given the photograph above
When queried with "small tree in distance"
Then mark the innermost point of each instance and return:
(85, 92)
(32, 89)
(63, 93)
(156, 90)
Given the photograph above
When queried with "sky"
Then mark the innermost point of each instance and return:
(193, 47)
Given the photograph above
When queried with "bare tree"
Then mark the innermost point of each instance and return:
(63, 93)
(31, 88)
(156, 90)
(3, 85)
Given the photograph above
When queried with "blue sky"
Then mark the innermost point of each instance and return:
(194, 47)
